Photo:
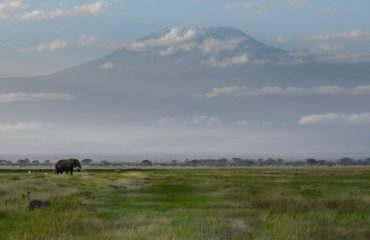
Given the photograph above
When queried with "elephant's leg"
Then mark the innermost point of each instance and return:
(71, 171)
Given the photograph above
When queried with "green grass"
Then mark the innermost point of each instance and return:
(256, 203)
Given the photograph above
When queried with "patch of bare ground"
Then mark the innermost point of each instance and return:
(240, 225)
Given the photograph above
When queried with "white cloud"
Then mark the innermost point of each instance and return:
(91, 9)
(345, 58)
(182, 40)
(205, 120)
(355, 34)
(248, 5)
(222, 91)
(330, 47)
(165, 121)
(43, 15)
(88, 9)
(54, 45)
(361, 90)
(59, 44)
(173, 41)
(107, 66)
(237, 91)
(9, 7)
(212, 45)
(241, 122)
(181, 47)
(195, 120)
(236, 60)
(85, 40)
(325, 48)
(336, 118)
(175, 37)
(22, 126)
(26, 97)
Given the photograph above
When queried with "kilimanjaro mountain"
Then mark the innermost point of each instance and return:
(181, 73)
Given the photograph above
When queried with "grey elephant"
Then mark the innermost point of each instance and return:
(67, 165)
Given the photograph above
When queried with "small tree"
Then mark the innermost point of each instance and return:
(105, 163)
(280, 161)
(23, 162)
(346, 161)
(312, 161)
(146, 163)
(86, 161)
(35, 162)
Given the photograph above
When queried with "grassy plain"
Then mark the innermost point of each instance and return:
(253, 203)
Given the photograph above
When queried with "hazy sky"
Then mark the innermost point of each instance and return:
(39, 36)
(145, 100)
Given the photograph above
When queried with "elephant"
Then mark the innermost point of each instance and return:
(67, 165)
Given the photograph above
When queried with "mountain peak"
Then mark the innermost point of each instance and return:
(224, 32)
(208, 45)
(199, 33)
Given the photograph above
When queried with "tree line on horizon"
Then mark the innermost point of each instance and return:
(221, 162)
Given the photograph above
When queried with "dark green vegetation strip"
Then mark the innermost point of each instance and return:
(269, 203)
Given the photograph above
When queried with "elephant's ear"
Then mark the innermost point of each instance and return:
(76, 162)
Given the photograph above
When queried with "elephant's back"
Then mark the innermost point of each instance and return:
(60, 163)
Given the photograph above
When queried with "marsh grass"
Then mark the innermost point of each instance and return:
(257, 203)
